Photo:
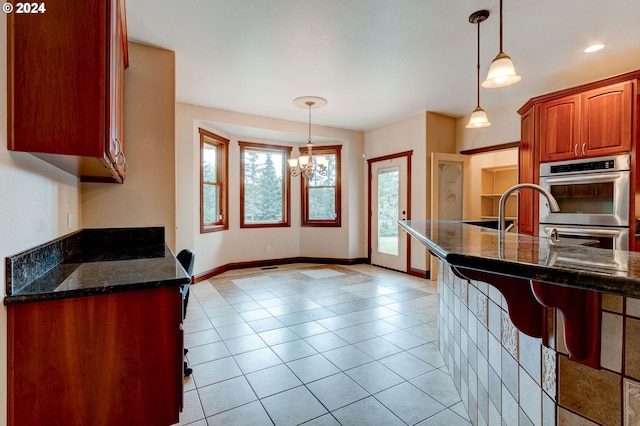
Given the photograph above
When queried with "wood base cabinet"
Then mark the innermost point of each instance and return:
(65, 70)
(113, 359)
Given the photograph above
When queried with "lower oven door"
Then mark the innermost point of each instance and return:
(615, 241)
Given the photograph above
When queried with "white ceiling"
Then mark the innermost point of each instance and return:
(378, 61)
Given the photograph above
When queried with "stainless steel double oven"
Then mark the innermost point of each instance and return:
(594, 199)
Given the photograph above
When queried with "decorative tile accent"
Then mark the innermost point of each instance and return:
(594, 394)
(612, 303)
(632, 348)
(631, 402)
(549, 371)
(464, 292)
(482, 308)
(509, 335)
(611, 342)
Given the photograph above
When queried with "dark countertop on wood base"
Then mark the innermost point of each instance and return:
(523, 256)
(92, 262)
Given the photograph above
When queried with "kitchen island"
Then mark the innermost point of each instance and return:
(535, 331)
(94, 330)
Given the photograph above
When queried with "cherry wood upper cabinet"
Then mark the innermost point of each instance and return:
(606, 120)
(593, 123)
(560, 129)
(65, 71)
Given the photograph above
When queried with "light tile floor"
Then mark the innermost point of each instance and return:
(316, 345)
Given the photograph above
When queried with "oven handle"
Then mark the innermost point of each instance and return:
(591, 178)
(584, 233)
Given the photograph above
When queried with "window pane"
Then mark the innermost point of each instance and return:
(322, 203)
(211, 209)
(330, 178)
(263, 186)
(209, 164)
(388, 195)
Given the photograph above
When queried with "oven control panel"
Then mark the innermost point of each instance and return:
(595, 165)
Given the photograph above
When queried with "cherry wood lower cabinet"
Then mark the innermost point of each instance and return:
(113, 359)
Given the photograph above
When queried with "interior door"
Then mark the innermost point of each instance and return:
(389, 203)
(449, 191)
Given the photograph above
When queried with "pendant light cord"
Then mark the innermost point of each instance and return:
(478, 67)
(501, 51)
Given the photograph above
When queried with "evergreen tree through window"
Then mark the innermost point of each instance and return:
(264, 192)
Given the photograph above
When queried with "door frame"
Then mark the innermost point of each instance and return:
(370, 161)
(436, 157)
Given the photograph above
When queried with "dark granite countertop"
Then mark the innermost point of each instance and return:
(92, 262)
(523, 256)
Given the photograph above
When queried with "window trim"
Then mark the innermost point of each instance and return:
(305, 221)
(222, 146)
(286, 184)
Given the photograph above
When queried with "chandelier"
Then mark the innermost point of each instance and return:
(308, 165)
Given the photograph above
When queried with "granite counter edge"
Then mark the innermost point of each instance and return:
(94, 291)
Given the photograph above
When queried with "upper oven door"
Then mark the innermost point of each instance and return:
(600, 199)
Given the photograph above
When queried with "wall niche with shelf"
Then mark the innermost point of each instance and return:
(495, 181)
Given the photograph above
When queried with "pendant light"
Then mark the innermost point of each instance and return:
(478, 116)
(501, 72)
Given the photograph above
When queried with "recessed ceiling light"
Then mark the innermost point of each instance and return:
(594, 48)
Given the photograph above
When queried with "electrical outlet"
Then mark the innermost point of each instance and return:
(268, 249)
(69, 221)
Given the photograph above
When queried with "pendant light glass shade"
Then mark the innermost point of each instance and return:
(501, 73)
(478, 119)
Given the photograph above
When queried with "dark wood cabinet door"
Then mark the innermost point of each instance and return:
(112, 359)
(56, 66)
(528, 173)
(560, 129)
(65, 80)
(607, 120)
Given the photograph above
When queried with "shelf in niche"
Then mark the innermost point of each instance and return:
(494, 182)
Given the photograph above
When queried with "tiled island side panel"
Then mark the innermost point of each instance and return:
(508, 378)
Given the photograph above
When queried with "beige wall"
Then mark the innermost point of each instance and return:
(147, 198)
(216, 249)
(406, 135)
(35, 200)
